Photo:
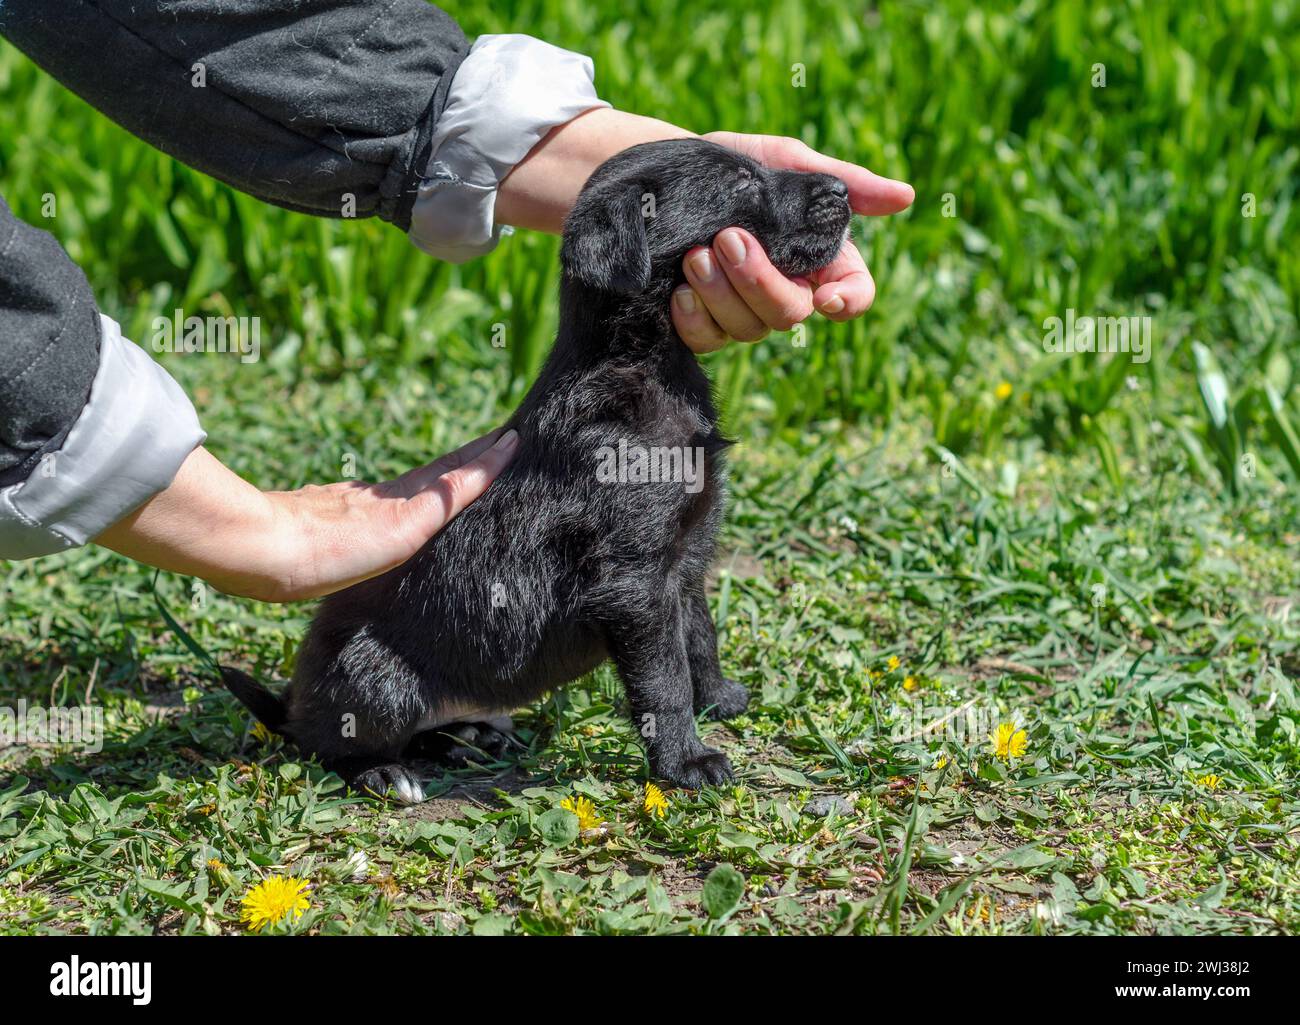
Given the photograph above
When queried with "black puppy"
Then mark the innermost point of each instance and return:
(595, 541)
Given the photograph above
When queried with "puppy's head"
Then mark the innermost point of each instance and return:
(643, 209)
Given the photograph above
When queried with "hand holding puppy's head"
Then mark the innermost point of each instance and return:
(644, 208)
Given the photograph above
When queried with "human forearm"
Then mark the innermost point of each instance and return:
(207, 523)
(293, 545)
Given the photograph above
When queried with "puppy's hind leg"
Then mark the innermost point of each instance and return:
(457, 744)
(649, 650)
(714, 694)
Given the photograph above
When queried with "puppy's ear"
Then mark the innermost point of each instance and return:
(605, 244)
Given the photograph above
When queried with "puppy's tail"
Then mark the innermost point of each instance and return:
(269, 709)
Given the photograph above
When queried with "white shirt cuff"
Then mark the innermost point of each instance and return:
(125, 447)
(508, 93)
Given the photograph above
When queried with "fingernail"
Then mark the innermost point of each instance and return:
(506, 442)
(834, 304)
(732, 246)
(685, 299)
(702, 264)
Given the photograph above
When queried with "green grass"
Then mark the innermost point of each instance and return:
(1093, 558)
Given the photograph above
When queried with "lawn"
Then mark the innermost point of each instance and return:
(1019, 625)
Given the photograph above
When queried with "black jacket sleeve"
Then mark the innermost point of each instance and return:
(49, 345)
(299, 104)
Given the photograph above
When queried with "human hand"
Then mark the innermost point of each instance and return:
(294, 545)
(734, 293)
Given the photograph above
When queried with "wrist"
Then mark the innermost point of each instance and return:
(211, 524)
(542, 188)
(298, 527)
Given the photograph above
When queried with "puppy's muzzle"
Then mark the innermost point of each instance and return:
(828, 204)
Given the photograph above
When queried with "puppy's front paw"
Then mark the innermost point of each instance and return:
(394, 780)
(703, 767)
(728, 700)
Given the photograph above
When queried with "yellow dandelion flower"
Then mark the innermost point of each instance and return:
(217, 870)
(1009, 742)
(911, 683)
(261, 734)
(941, 762)
(272, 899)
(893, 663)
(980, 911)
(1209, 781)
(584, 809)
(655, 803)
(1003, 391)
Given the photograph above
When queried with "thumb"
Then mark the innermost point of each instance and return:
(447, 495)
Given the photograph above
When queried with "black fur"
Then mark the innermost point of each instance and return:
(555, 569)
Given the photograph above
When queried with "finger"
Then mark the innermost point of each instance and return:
(847, 298)
(470, 450)
(731, 313)
(694, 325)
(779, 302)
(869, 193)
(412, 482)
(447, 496)
(844, 287)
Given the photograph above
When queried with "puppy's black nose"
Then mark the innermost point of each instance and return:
(828, 190)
